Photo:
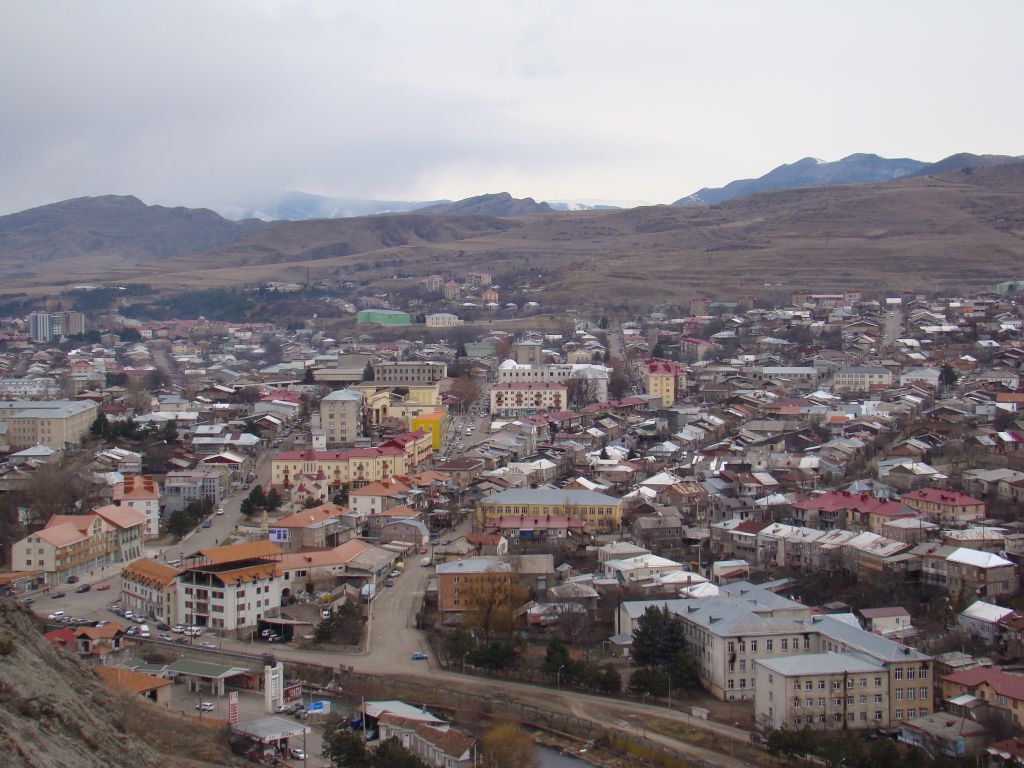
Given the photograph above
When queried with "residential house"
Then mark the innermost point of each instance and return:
(947, 508)
(141, 493)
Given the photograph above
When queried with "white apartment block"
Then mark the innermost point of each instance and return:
(341, 417)
(561, 373)
(229, 588)
(442, 320)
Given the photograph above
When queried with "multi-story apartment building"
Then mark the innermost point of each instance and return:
(148, 588)
(731, 635)
(125, 529)
(523, 398)
(409, 372)
(141, 493)
(354, 468)
(664, 379)
(75, 545)
(47, 326)
(862, 378)
(53, 423)
(821, 690)
(595, 376)
(478, 279)
(31, 387)
(461, 584)
(947, 508)
(229, 588)
(603, 513)
(342, 417)
(971, 573)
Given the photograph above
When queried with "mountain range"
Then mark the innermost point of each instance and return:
(858, 168)
(948, 231)
(302, 206)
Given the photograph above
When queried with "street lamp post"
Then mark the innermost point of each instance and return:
(558, 678)
(464, 660)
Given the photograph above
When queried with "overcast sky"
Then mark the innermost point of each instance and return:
(217, 103)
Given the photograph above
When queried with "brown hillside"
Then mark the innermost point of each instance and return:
(55, 712)
(950, 232)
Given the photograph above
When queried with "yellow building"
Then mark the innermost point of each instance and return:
(603, 513)
(383, 401)
(663, 380)
(53, 423)
(434, 423)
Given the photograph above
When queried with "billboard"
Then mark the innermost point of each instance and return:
(233, 707)
(279, 535)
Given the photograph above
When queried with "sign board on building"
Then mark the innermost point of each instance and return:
(319, 707)
(273, 686)
(279, 535)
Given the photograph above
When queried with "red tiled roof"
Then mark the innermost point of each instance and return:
(942, 496)
(1003, 683)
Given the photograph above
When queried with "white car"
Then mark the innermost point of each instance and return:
(205, 706)
(55, 615)
(177, 629)
(193, 631)
(220, 510)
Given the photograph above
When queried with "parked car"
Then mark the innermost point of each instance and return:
(163, 627)
(220, 510)
(208, 645)
(72, 579)
(164, 636)
(206, 522)
(297, 754)
(102, 587)
(419, 656)
(28, 601)
(395, 573)
(205, 706)
(177, 629)
(55, 615)
(83, 588)
(389, 582)
(57, 595)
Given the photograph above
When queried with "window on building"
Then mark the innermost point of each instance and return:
(821, 685)
(753, 646)
(809, 685)
(899, 694)
(878, 682)
(768, 645)
(911, 673)
(796, 704)
(878, 698)
(785, 644)
(923, 695)
(899, 673)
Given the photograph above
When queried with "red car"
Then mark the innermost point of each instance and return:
(103, 586)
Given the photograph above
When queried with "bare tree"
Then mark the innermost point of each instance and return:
(582, 391)
(465, 390)
(54, 488)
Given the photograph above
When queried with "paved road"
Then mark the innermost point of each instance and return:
(93, 604)
(892, 327)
